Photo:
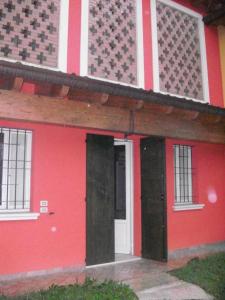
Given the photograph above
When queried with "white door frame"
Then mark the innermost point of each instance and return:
(129, 185)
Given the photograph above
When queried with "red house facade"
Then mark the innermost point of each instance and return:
(112, 132)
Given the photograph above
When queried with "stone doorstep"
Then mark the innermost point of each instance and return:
(178, 290)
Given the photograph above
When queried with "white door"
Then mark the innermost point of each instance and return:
(123, 197)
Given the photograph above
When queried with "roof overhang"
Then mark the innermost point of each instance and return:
(102, 105)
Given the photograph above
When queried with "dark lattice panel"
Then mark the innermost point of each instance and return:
(112, 40)
(180, 71)
(29, 31)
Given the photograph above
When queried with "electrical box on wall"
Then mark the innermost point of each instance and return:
(44, 210)
(43, 203)
(44, 206)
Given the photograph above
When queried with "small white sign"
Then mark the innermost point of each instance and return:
(43, 203)
(44, 210)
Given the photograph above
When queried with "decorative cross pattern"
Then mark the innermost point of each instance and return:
(29, 31)
(112, 40)
(180, 70)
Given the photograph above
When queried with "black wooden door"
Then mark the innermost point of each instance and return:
(100, 199)
(153, 189)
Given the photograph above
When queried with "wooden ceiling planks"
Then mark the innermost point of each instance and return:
(214, 9)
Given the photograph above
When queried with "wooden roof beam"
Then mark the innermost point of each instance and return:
(60, 91)
(214, 16)
(211, 119)
(190, 115)
(168, 110)
(25, 107)
(64, 91)
(139, 105)
(17, 84)
(104, 98)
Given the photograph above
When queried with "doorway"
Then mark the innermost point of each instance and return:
(109, 199)
(123, 197)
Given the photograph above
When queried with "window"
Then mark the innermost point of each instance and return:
(183, 179)
(183, 174)
(180, 66)
(15, 170)
(113, 41)
(31, 32)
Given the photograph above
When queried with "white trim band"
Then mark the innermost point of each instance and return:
(18, 216)
(188, 207)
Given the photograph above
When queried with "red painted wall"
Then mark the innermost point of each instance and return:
(137, 196)
(191, 228)
(147, 38)
(74, 37)
(58, 172)
(59, 176)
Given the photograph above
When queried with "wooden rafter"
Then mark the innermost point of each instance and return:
(17, 84)
(104, 98)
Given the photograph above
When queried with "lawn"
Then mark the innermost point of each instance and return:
(208, 273)
(90, 290)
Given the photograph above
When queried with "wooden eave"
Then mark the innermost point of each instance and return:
(214, 11)
(217, 17)
(71, 100)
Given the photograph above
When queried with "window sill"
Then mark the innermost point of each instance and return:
(16, 216)
(188, 207)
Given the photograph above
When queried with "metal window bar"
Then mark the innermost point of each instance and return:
(15, 169)
(183, 174)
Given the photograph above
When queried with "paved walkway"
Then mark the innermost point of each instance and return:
(177, 290)
(149, 279)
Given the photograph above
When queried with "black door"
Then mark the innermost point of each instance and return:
(100, 199)
(154, 234)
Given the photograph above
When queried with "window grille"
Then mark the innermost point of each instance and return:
(179, 52)
(112, 40)
(183, 174)
(15, 169)
(29, 31)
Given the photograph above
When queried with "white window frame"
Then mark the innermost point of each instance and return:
(20, 213)
(178, 205)
(155, 49)
(139, 41)
(62, 42)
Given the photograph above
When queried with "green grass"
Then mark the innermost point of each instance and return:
(208, 273)
(90, 290)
